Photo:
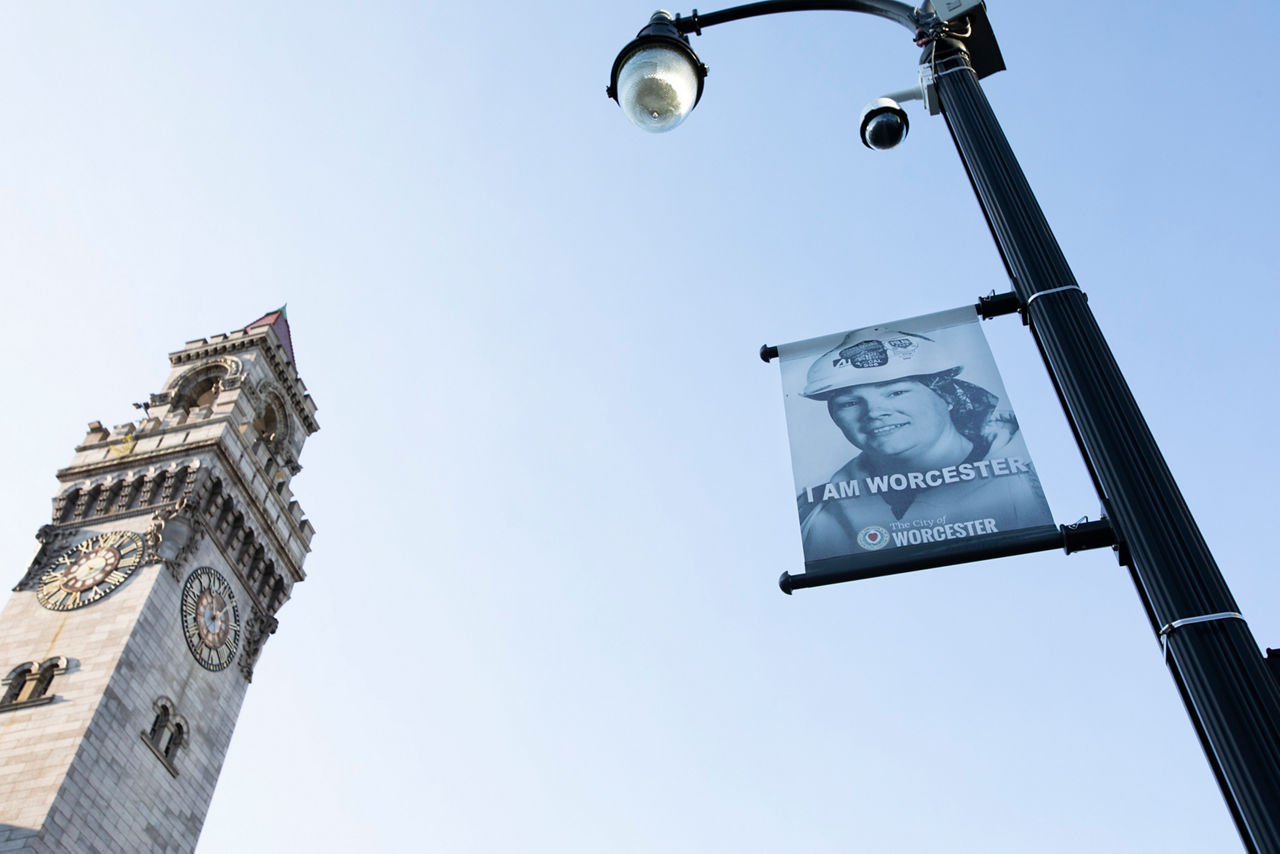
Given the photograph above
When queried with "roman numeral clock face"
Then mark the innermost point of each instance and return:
(210, 618)
(90, 570)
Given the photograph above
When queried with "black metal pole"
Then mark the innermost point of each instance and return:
(1232, 699)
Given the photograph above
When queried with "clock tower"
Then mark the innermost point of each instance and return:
(130, 640)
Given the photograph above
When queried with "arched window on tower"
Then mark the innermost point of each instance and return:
(16, 683)
(175, 741)
(206, 392)
(28, 684)
(202, 392)
(197, 391)
(168, 734)
(268, 424)
(160, 725)
(45, 678)
(273, 429)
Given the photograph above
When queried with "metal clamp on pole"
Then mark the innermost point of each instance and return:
(1039, 294)
(1186, 621)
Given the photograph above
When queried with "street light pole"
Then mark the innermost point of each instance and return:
(1233, 701)
(1230, 695)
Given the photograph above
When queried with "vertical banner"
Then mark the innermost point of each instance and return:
(903, 435)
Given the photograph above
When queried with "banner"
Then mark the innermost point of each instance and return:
(903, 435)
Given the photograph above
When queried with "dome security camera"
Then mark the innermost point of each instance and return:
(883, 124)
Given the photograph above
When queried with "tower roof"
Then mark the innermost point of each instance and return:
(279, 321)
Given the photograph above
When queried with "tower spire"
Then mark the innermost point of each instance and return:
(278, 320)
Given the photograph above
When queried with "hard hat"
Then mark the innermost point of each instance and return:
(885, 357)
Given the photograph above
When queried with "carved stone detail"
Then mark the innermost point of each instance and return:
(173, 536)
(256, 630)
(226, 367)
(60, 503)
(53, 542)
(104, 498)
(48, 534)
(126, 492)
(123, 497)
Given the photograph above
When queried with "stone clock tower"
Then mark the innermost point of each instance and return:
(129, 642)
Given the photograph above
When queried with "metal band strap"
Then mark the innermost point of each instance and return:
(1186, 621)
(1039, 294)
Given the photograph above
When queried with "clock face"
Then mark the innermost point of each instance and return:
(90, 570)
(210, 618)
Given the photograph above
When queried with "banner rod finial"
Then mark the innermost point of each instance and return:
(995, 305)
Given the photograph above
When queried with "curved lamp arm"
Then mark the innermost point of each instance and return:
(920, 23)
(657, 78)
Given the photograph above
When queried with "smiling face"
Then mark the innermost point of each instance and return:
(902, 418)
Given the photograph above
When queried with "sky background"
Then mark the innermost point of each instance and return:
(552, 487)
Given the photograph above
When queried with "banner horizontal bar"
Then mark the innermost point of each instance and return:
(1069, 538)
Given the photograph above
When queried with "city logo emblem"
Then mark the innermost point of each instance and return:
(873, 537)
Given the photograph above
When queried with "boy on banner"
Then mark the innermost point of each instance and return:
(938, 460)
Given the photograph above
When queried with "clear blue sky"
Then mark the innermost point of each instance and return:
(552, 488)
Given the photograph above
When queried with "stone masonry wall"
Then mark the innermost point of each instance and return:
(118, 795)
(37, 744)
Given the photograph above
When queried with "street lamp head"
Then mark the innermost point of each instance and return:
(657, 78)
(883, 125)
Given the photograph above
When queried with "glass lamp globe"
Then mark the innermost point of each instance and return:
(657, 87)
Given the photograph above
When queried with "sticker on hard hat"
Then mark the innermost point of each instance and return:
(864, 354)
(875, 353)
(904, 347)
